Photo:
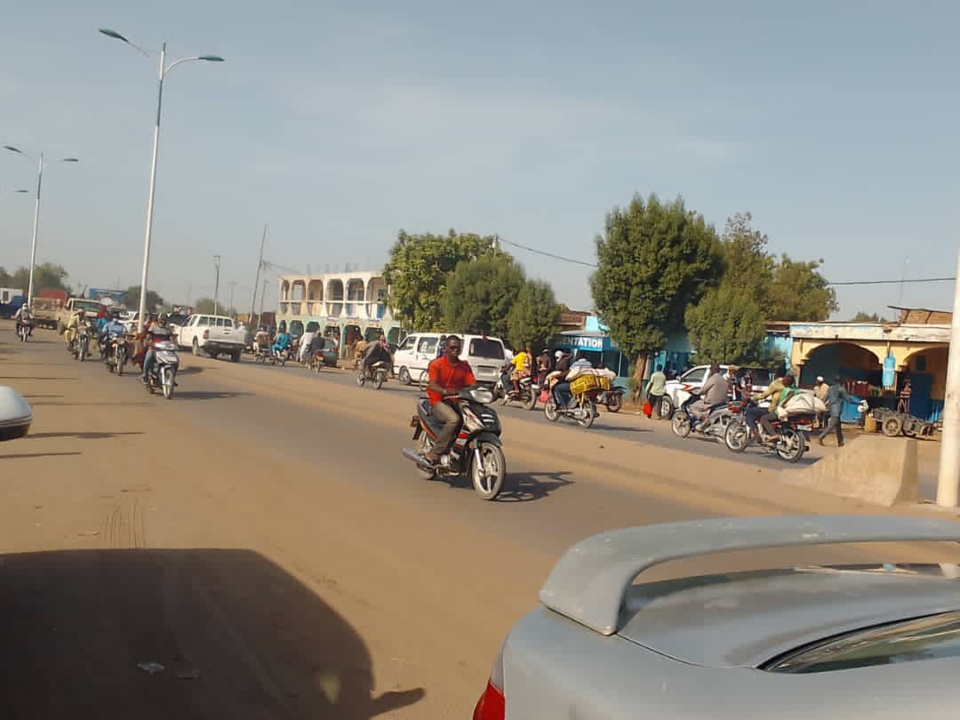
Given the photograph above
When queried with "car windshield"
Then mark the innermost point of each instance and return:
(927, 638)
(488, 349)
(89, 306)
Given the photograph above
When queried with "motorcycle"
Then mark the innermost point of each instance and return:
(375, 373)
(115, 353)
(316, 361)
(163, 374)
(24, 330)
(584, 390)
(529, 390)
(612, 399)
(80, 347)
(684, 421)
(790, 439)
(476, 453)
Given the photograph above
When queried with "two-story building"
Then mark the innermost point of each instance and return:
(345, 306)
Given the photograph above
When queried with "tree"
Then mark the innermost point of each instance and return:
(203, 305)
(132, 299)
(46, 276)
(418, 269)
(727, 326)
(480, 293)
(863, 317)
(655, 260)
(534, 319)
(799, 292)
(748, 264)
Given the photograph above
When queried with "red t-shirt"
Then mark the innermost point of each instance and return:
(451, 376)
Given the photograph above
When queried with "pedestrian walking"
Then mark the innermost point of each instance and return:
(836, 396)
(656, 387)
(903, 403)
(820, 389)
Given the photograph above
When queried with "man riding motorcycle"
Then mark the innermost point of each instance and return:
(448, 376)
(281, 342)
(712, 394)
(77, 320)
(155, 332)
(24, 317)
(112, 327)
(378, 352)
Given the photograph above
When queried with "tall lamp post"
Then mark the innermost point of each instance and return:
(164, 69)
(36, 209)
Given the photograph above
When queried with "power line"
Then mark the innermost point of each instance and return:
(546, 254)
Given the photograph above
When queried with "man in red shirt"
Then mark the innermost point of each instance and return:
(448, 375)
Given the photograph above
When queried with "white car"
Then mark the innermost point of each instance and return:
(416, 352)
(213, 334)
(678, 389)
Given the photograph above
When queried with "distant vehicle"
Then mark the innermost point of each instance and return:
(844, 642)
(330, 352)
(91, 307)
(676, 395)
(418, 350)
(15, 414)
(213, 334)
(45, 312)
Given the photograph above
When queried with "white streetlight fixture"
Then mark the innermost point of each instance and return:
(36, 209)
(164, 69)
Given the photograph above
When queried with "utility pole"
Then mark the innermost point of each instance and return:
(253, 303)
(216, 287)
(233, 284)
(948, 486)
(262, 296)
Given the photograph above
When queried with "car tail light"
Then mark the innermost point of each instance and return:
(492, 704)
(206, 334)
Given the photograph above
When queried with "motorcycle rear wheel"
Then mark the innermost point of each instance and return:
(614, 402)
(790, 445)
(531, 402)
(590, 408)
(425, 447)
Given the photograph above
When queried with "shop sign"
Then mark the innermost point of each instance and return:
(589, 343)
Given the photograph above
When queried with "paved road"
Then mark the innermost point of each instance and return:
(261, 538)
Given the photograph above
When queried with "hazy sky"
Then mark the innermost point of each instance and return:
(834, 123)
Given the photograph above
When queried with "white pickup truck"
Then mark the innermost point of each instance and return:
(213, 334)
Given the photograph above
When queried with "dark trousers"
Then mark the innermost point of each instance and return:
(450, 417)
(656, 404)
(834, 423)
(753, 414)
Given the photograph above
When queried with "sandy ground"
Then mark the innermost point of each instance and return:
(260, 538)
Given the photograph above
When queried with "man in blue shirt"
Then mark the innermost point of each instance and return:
(281, 342)
(836, 396)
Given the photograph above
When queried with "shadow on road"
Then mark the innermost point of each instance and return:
(88, 404)
(524, 487)
(81, 435)
(190, 370)
(31, 397)
(177, 634)
(26, 377)
(207, 395)
(36, 455)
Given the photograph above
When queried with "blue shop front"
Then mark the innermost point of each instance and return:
(597, 347)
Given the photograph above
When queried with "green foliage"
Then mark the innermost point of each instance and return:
(653, 262)
(131, 299)
(418, 269)
(203, 305)
(46, 276)
(480, 293)
(748, 265)
(799, 292)
(534, 319)
(727, 326)
(863, 317)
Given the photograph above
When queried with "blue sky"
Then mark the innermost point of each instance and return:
(340, 123)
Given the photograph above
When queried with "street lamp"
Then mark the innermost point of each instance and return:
(36, 209)
(164, 69)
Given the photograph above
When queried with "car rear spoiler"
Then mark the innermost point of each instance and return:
(589, 583)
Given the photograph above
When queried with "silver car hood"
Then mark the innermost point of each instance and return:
(746, 619)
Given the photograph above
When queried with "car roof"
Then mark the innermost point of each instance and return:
(747, 619)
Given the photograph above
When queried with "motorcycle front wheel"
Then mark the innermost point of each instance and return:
(680, 424)
(737, 436)
(790, 445)
(488, 481)
(82, 355)
(121, 360)
(550, 410)
(381, 378)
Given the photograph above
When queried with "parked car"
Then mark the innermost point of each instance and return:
(418, 350)
(331, 352)
(845, 643)
(213, 334)
(676, 395)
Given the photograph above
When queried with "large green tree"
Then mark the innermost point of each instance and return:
(131, 299)
(799, 292)
(748, 265)
(727, 326)
(480, 293)
(418, 270)
(534, 319)
(46, 276)
(654, 260)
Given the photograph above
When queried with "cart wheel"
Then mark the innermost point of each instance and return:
(892, 425)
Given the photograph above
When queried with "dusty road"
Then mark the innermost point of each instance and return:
(260, 537)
